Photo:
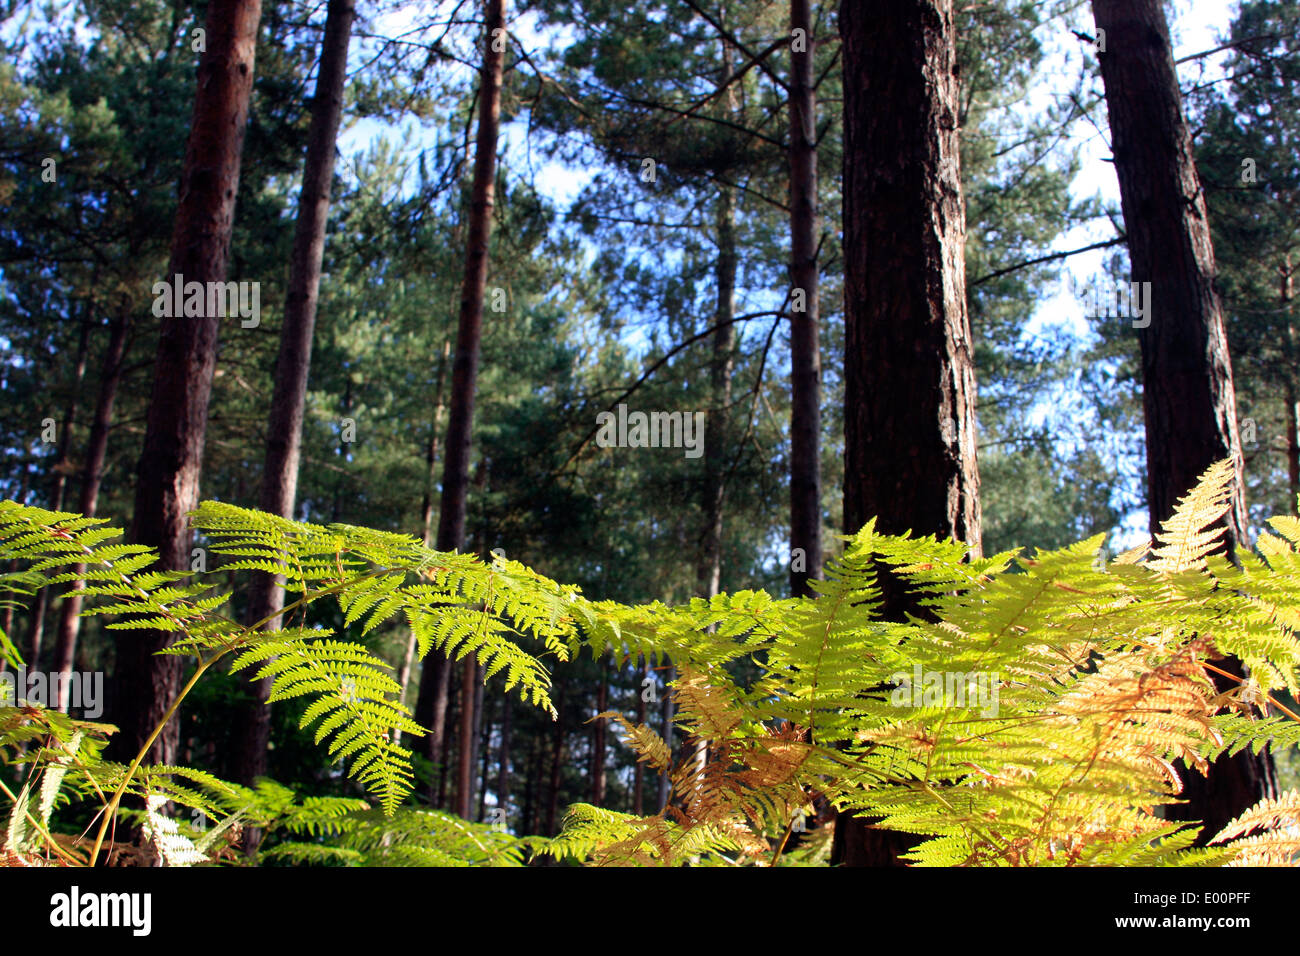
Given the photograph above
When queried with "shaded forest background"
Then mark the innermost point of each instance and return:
(666, 283)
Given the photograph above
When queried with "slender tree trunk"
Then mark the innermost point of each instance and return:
(665, 790)
(638, 769)
(59, 480)
(598, 729)
(529, 821)
(483, 734)
(909, 378)
(444, 754)
(1292, 448)
(470, 698)
(7, 621)
(1187, 395)
(167, 485)
(426, 517)
(289, 397)
(92, 474)
(464, 375)
(558, 739)
(1292, 413)
(503, 755)
(805, 349)
(709, 571)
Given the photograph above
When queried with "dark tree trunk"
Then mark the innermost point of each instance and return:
(665, 785)
(805, 350)
(59, 481)
(598, 729)
(638, 771)
(482, 734)
(709, 570)
(444, 753)
(167, 485)
(289, 397)
(92, 474)
(503, 755)
(558, 739)
(1187, 395)
(1292, 449)
(529, 822)
(426, 509)
(909, 415)
(1292, 416)
(7, 620)
(470, 705)
(464, 374)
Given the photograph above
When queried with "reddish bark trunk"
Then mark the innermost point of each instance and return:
(503, 755)
(909, 377)
(1187, 394)
(426, 510)
(598, 738)
(455, 474)
(638, 772)
(805, 348)
(167, 485)
(59, 481)
(92, 474)
(557, 762)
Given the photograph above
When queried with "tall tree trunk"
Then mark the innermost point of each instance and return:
(279, 486)
(665, 789)
(805, 349)
(557, 761)
(426, 516)
(10, 598)
(444, 752)
(470, 705)
(167, 485)
(528, 823)
(1292, 413)
(59, 479)
(1292, 448)
(638, 770)
(464, 375)
(483, 735)
(503, 756)
(471, 676)
(909, 416)
(1187, 395)
(709, 570)
(598, 738)
(92, 474)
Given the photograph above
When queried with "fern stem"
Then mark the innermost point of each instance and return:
(110, 811)
(41, 829)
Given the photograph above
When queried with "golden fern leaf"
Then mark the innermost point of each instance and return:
(1278, 841)
(1186, 537)
(707, 710)
(644, 740)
